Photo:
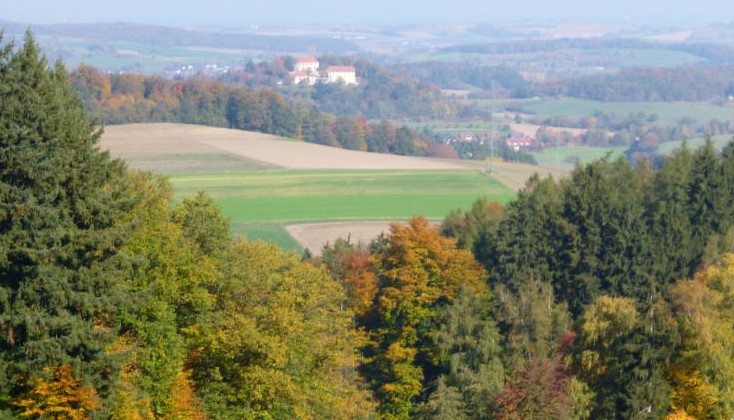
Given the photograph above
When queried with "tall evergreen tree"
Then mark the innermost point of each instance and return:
(469, 345)
(62, 222)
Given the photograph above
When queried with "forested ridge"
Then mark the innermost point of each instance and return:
(604, 295)
(717, 53)
(129, 98)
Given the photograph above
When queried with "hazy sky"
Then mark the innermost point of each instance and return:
(244, 12)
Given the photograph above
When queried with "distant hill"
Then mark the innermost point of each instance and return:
(164, 36)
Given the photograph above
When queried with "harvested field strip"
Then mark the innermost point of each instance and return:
(196, 163)
(133, 141)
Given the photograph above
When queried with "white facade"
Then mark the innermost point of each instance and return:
(307, 65)
(344, 74)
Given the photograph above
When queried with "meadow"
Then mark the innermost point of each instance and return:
(264, 183)
(667, 112)
(567, 156)
(260, 203)
(719, 142)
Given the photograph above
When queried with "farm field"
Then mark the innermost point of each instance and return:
(260, 203)
(668, 148)
(261, 185)
(303, 195)
(567, 156)
(164, 141)
(667, 112)
(567, 62)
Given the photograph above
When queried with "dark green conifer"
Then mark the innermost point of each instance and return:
(62, 221)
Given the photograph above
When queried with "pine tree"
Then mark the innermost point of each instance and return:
(62, 221)
(468, 343)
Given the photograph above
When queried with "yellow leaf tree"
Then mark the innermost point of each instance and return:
(58, 396)
(705, 310)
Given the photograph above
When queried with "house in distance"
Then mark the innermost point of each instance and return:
(306, 70)
(345, 74)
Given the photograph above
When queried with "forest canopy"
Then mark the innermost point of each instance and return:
(606, 294)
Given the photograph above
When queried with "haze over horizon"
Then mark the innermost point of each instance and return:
(233, 13)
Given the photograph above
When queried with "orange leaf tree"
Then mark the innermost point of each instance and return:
(59, 397)
(419, 272)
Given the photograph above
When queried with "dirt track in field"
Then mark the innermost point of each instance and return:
(139, 140)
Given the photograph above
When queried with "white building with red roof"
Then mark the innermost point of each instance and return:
(306, 64)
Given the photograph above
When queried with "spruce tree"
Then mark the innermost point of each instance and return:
(62, 208)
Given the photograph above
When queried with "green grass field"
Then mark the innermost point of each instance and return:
(260, 203)
(270, 232)
(279, 196)
(667, 112)
(566, 156)
(670, 147)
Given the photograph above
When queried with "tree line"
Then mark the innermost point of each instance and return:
(716, 54)
(641, 131)
(382, 92)
(579, 299)
(129, 97)
(705, 84)
(619, 270)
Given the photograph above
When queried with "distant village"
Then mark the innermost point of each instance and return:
(515, 140)
(307, 71)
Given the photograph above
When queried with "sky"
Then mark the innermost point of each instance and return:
(246, 12)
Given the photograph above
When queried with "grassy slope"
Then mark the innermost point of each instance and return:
(270, 232)
(669, 147)
(566, 156)
(260, 199)
(283, 196)
(261, 203)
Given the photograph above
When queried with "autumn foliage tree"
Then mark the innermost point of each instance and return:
(57, 395)
(704, 373)
(419, 272)
(278, 343)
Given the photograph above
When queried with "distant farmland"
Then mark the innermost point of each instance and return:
(256, 180)
(336, 195)
(667, 112)
(261, 203)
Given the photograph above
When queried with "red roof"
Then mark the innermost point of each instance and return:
(306, 60)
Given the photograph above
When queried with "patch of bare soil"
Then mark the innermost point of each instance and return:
(315, 235)
(138, 140)
(149, 140)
